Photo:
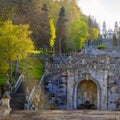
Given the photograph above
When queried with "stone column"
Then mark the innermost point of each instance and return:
(70, 88)
(104, 94)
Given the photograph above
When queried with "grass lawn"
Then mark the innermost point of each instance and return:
(2, 79)
(31, 67)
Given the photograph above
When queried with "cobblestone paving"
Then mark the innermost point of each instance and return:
(63, 115)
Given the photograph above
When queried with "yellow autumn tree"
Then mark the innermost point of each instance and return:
(52, 32)
(15, 43)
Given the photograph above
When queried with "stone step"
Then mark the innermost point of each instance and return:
(18, 99)
(17, 94)
(16, 106)
(17, 103)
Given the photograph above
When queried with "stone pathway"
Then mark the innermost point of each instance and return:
(0, 113)
(63, 115)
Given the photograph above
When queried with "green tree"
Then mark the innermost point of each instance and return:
(35, 13)
(15, 43)
(93, 28)
(79, 34)
(7, 9)
(114, 39)
(53, 11)
(94, 34)
(61, 31)
(43, 28)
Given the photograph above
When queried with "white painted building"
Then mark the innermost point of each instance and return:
(108, 33)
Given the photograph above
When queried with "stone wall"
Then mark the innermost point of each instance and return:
(103, 70)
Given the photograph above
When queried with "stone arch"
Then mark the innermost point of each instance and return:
(98, 92)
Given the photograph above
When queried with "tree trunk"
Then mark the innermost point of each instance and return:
(10, 71)
(16, 68)
(60, 46)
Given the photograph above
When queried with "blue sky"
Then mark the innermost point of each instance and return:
(102, 10)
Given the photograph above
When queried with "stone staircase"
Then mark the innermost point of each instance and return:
(63, 115)
(18, 99)
(46, 102)
(54, 93)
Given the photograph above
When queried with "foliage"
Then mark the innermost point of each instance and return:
(35, 51)
(31, 67)
(2, 79)
(15, 43)
(79, 33)
(53, 11)
(93, 29)
(94, 34)
(36, 13)
(115, 41)
(4, 66)
(92, 22)
(7, 10)
(52, 32)
(61, 31)
(72, 10)
(101, 47)
(114, 37)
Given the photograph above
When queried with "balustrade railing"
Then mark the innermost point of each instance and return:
(30, 98)
(36, 92)
(18, 83)
(41, 81)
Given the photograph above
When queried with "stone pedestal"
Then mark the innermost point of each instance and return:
(6, 104)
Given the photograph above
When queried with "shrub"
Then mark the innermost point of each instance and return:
(101, 47)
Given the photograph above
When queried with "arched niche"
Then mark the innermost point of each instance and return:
(87, 93)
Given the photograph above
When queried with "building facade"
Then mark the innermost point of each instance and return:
(109, 33)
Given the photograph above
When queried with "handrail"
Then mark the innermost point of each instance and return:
(18, 83)
(32, 94)
(45, 74)
(35, 92)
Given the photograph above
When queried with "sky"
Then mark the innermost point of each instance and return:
(102, 10)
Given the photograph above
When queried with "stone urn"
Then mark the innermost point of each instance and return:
(6, 104)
